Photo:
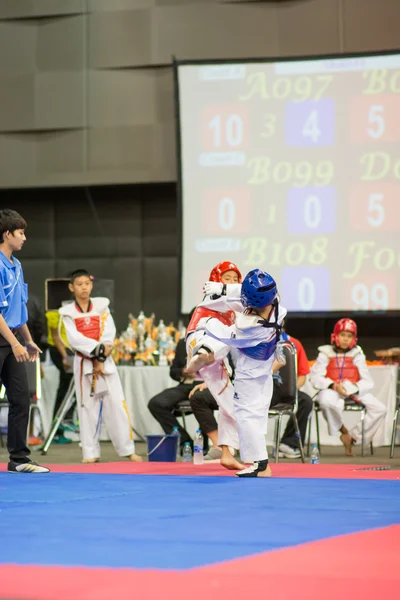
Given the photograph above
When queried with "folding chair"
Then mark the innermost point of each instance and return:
(396, 415)
(182, 409)
(288, 373)
(350, 405)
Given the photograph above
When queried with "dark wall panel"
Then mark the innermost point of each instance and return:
(125, 233)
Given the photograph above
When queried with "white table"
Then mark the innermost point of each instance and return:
(142, 383)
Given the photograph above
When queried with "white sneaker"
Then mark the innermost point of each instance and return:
(27, 467)
(286, 451)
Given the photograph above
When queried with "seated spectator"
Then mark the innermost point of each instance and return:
(289, 444)
(341, 372)
(203, 405)
(163, 404)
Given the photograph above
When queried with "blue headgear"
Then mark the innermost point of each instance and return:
(258, 289)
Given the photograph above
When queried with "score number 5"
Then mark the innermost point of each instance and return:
(377, 122)
(376, 211)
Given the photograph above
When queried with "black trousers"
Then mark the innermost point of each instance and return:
(14, 377)
(162, 406)
(203, 406)
(65, 380)
(305, 407)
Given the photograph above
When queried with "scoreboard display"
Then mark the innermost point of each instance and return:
(294, 167)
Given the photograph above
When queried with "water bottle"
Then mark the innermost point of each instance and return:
(198, 456)
(187, 452)
(314, 458)
(175, 431)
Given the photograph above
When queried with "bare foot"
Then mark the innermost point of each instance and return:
(87, 461)
(229, 462)
(347, 442)
(135, 458)
(198, 361)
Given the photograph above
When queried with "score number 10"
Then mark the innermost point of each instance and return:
(224, 128)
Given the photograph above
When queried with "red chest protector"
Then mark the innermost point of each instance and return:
(340, 368)
(227, 318)
(89, 326)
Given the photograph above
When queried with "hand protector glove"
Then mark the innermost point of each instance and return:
(99, 353)
(214, 288)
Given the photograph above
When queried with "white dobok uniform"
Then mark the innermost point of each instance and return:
(97, 397)
(351, 370)
(253, 383)
(217, 374)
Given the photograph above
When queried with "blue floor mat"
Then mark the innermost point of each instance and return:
(175, 522)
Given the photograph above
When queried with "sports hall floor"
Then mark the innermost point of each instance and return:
(119, 530)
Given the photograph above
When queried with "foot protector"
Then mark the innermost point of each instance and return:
(254, 469)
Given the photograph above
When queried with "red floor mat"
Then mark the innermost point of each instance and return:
(306, 470)
(362, 565)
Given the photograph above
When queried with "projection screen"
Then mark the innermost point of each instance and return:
(293, 167)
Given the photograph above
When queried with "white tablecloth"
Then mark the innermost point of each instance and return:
(142, 383)
(139, 383)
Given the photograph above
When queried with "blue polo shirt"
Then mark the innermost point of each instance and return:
(13, 292)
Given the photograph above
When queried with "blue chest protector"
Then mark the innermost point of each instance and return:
(265, 350)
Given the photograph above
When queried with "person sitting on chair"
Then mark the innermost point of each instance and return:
(289, 445)
(341, 372)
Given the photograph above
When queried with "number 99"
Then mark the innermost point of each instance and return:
(374, 299)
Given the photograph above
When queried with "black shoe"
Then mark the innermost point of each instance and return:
(29, 466)
(254, 469)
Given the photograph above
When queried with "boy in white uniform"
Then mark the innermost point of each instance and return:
(340, 371)
(255, 334)
(208, 356)
(90, 331)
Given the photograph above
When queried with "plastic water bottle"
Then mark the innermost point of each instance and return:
(314, 458)
(198, 447)
(187, 452)
(175, 431)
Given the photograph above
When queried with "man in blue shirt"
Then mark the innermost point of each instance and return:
(13, 318)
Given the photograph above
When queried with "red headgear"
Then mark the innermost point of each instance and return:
(344, 325)
(222, 268)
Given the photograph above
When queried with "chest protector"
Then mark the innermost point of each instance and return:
(342, 367)
(265, 350)
(262, 351)
(89, 326)
(227, 318)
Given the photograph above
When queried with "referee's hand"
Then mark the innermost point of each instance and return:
(20, 353)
